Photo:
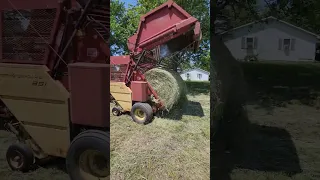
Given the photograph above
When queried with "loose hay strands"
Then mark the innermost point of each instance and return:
(169, 86)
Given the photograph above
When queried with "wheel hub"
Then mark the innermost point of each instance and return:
(94, 163)
(139, 114)
(16, 160)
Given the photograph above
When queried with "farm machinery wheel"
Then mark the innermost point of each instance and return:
(88, 156)
(142, 113)
(20, 157)
(116, 111)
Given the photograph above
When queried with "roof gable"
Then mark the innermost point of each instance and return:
(273, 18)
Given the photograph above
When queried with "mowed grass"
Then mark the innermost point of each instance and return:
(284, 123)
(51, 171)
(172, 148)
(285, 144)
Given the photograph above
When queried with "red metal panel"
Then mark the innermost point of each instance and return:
(139, 91)
(29, 4)
(120, 66)
(90, 94)
(90, 47)
(161, 25)
(120, 59)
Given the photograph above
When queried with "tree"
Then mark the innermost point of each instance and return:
(226, 84)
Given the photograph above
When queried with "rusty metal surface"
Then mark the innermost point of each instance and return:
(90, 97)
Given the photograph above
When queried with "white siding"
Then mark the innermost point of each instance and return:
(268, 36)
(194, 75)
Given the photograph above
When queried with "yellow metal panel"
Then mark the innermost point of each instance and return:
(30, 82)
(52, 113)
(39, 102)
(119, 87)
(122, 94)
(54, 142)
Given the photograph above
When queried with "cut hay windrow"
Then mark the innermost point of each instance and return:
(169, 86)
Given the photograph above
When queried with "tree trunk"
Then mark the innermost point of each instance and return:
(227, 97)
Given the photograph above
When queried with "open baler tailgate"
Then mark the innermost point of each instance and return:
(167, 24)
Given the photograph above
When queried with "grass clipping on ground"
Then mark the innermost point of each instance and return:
(169, 86)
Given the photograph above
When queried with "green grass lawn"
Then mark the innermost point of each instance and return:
(166, 148)
(275, 83)
(284, 145)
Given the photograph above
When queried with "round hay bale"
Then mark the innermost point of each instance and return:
(169, 86)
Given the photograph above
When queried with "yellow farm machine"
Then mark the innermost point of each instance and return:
(54, 74)
(161, 32)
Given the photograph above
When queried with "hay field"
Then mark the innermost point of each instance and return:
(173, 148)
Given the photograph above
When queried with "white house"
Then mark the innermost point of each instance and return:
(195, 74)
(272, 40)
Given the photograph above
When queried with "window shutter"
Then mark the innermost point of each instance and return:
(255, 41)
(243, 43)
(293, 44)
(280, 44)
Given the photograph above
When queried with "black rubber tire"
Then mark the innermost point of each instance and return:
(26, 155)
(116, 111)
(146, 108)
(87, 140)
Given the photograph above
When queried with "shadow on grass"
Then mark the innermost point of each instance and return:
(189, 108)
(272, 149)
(252, 147)
(53, 163)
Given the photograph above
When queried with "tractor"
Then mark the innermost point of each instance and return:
(162, 32)
(54, 84)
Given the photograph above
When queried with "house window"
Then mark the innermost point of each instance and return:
(199, 76)
(188, 76)
(249, 43)
(287, 44)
